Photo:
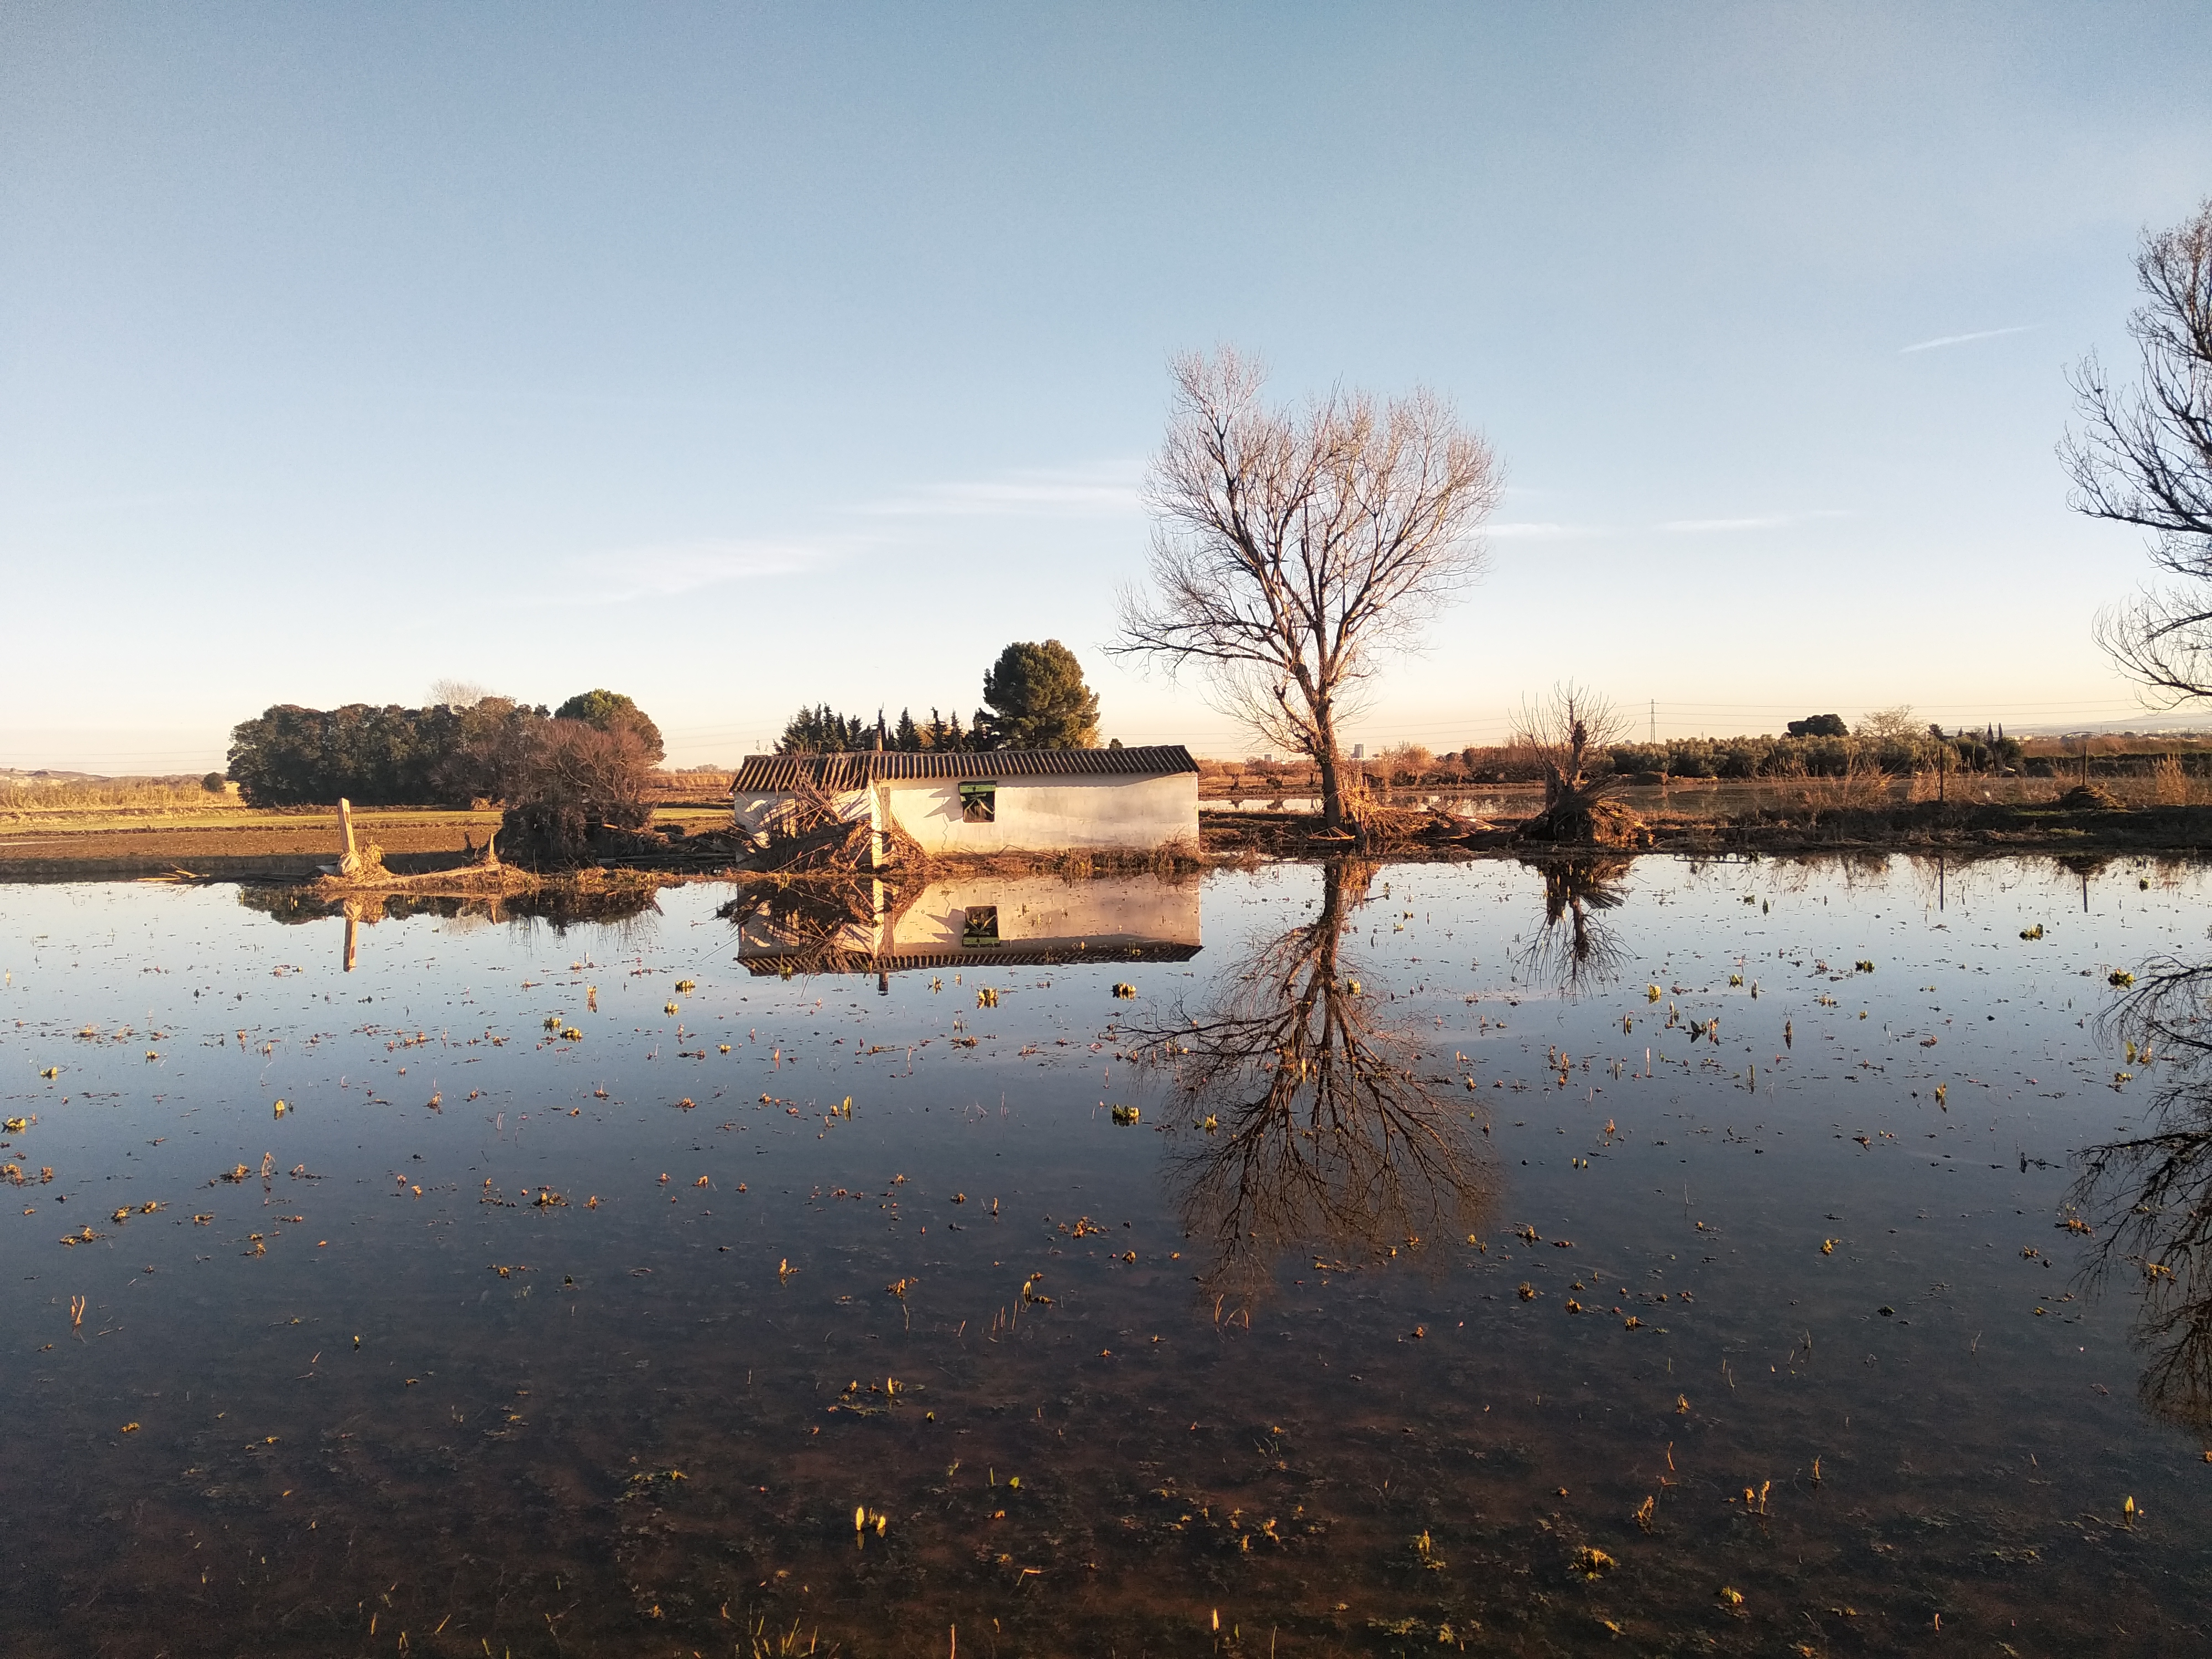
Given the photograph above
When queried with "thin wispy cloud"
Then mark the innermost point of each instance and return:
(1692, 526)
(1537, 531)
(1757, 521)
(668, 569)
(1102, 493)
(1943, 340)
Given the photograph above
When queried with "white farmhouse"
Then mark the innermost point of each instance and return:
(996, 800)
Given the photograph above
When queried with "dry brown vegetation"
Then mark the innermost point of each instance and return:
(19, 795)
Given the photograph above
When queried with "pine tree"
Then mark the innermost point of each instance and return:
(1038, 700)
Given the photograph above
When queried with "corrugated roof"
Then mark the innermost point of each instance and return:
(767, 773)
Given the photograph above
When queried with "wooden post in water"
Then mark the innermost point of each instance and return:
(348, 860)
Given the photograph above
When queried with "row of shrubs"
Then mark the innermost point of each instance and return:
(1681, 757)
(1824, 757)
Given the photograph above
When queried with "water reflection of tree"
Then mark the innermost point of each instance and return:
(1306, 1125)
(2147, 1198)
(561, 907)
(1575, 947)
(828, 925)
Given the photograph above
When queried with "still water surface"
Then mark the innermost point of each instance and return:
(1668, 1255)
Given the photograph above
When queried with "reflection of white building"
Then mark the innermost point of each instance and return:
(980, 922)
(1002, 800)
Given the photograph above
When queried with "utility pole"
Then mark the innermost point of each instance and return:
(1655, 720)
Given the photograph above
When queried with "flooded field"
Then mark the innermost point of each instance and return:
(1650, 1257)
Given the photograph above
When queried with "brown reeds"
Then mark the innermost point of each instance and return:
(2170, 784)
(24, 794)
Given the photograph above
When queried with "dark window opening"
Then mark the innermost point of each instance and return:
(979, 803)
(979, 925)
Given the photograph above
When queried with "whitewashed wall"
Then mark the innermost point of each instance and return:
(1044, 910)
(1050, 815)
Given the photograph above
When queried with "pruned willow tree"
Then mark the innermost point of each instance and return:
(2145, 459)
(1564, 735)
(1292, 551)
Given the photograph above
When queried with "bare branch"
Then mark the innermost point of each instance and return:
(2145, 459)
(1292, 551)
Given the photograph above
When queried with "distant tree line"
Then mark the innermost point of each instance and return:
(1826, 756)
(491, 749)
(1890, 741)
(1034, 697)
(822, 730)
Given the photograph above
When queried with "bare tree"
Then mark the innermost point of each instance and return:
(456, 694)
(1897, 726)
(1564, 735)
(1565, 730)
(1292, 551)
(576, 782)
(2146, 460)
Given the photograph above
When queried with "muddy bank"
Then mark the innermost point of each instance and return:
(1926, 826)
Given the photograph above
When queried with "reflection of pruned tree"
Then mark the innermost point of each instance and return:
(1574, 947)
(1310, 1128)
(2148, 1199)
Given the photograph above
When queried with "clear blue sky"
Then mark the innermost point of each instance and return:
(743, 356)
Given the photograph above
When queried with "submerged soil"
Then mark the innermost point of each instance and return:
(1679, 1253)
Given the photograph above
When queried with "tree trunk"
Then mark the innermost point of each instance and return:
(1331, 782)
